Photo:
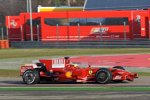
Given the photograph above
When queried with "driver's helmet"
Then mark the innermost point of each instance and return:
(74, 65)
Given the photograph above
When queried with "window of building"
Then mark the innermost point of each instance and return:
(85, 21)
(56, 21)
(97, 21)
(94, 21)
(115, 21)
(35, 22)
(74, 21)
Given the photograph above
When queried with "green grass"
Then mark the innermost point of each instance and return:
(21, 53)
(75, 88)
(9, 73)
(144, 73)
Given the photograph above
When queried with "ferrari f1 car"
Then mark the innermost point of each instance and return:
(62, 70)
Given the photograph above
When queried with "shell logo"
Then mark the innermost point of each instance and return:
(68, 74)
(90, 72)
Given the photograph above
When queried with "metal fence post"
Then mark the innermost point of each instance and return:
(2, 33)
(57, 32)
(78, 31)
(31, 21)
(125, 33)
(7, 33)
(21, 29)
(38, 33)
(101, 31)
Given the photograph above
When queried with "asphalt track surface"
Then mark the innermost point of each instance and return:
(17, 82)
(74, 95)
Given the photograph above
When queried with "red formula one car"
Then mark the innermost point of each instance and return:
(62, 70)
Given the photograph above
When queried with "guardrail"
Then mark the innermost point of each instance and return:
(81, 44)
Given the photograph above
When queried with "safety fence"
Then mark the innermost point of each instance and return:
(83, 44)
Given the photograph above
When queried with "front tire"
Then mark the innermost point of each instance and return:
(103, 76)
(31, 76)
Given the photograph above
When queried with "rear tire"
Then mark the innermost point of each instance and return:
(31, 76)
(103, 76)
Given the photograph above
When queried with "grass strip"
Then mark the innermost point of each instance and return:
(9, 73)
(144, 73)
(75, 88)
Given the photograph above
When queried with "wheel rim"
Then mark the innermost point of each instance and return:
(102, 77)
(29, 77)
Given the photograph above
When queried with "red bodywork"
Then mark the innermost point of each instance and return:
(63, 70)
(136, 26)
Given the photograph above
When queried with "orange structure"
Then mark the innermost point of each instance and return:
(4, 44)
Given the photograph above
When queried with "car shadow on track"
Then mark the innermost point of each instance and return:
(45, 83)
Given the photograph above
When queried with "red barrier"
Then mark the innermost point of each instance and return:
(4, 44)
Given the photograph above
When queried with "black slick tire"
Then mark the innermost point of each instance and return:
(31, 76)
(103, 76)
